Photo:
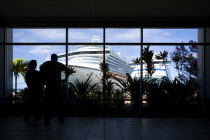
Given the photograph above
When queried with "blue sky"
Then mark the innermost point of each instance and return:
(132, 35)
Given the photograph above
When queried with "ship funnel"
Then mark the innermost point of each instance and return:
(96, 39)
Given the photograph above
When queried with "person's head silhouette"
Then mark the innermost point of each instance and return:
(32, 65)
(54, 57)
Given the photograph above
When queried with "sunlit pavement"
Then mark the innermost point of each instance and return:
(82, 128)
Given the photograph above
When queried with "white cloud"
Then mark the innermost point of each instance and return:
(157, 35)
(123, 35)
(39, 35)
(45, 49)
(84, 35)
(75, 35)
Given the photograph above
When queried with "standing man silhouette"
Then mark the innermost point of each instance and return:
(35, 84)
(54, 96)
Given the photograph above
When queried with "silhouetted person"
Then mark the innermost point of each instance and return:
(54, 96)
(35, 84)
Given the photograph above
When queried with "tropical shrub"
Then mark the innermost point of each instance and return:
(165, 93)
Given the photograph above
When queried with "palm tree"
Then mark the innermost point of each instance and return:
(147, 56)
(162, 56)
(132, 87)
(104, 67)
(137, 61)
(108, 85)
(82, 88)
(19, 67)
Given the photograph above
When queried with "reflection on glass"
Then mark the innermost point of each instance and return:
(114, 35)
(38, 53)
(39, 35)
(170, 35)
(85, 35)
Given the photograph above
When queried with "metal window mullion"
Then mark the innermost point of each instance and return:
(203, 98)
(5, 63)
(104, 42)
(67, 61)
(141, 79)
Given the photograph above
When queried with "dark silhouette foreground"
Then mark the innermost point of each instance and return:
(54, 95)
(35, 85)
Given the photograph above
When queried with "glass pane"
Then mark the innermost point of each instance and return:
(170, 79)
(121, 81)
(84, 35)
(39, 53)
(85, 61)
(122, 35)
(39, 35)
(170, 35)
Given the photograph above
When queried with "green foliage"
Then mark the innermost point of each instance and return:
(162, 56)
(185, 60)
(132, 87)
(147, 57)
(82, 89)
(19, 67)
(137, 61)
(71, 70)
(19, 97)
(165, 92)
(108, 85)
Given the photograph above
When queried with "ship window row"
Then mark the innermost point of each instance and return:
(113, 65)
(123, 58)
(76, 57)
(118, 62)
(118, 72)
(118, 59)
(90, 46)
(84, 52)
(84, 62)
(85, 59)
(115, 69)
(155, 69)
(120, 66)
(115, 60)
(88, 52)
(154, 62)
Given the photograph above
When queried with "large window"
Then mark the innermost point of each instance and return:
(125, 69)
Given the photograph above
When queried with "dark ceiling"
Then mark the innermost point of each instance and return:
(104, 10)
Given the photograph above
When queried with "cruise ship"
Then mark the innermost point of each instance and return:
(86, 59)
(161, 69)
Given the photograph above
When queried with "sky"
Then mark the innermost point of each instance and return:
(128, 35)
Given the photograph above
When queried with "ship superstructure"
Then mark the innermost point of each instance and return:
(86, 59)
